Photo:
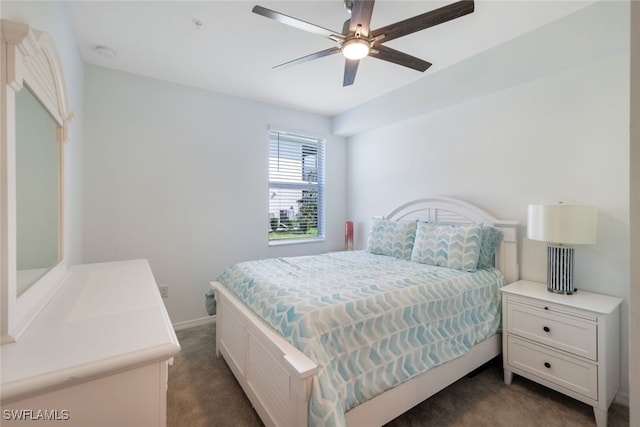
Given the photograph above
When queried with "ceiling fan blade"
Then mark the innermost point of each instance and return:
(361, 12)
(311, 57)
(387, 54)
(345, 27)
(295, 22)
(426, 20)
(350, 69)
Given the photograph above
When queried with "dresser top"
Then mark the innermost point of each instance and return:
(104, 318)
(584, 300)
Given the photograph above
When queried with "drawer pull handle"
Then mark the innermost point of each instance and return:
(546, 329)
(547, 365)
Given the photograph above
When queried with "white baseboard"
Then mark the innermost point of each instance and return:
(193, 323)
(622, 398)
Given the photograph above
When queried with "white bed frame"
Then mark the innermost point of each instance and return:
(277, 377)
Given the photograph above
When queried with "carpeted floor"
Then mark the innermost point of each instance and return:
(204, 393)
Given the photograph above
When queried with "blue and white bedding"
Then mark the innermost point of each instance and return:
(369, 321)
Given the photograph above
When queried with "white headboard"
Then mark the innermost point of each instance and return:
(445, 209)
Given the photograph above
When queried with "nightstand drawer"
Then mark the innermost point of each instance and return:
(573, 374)
(571, 334)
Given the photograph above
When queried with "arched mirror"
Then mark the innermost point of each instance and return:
(38, 195)
(34, 122)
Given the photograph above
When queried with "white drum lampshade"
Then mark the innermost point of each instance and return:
(562, 226)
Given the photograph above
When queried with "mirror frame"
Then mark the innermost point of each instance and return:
(31, 59)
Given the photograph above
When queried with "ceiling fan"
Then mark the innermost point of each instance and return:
(357, 40)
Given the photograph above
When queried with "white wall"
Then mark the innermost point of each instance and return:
(53, 18)
(562, 137)
(180, 176)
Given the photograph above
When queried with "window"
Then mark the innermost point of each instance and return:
(296, 187)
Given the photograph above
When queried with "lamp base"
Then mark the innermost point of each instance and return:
(560, 269)
(556, 291)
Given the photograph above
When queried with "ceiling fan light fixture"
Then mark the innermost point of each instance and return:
(355, 49)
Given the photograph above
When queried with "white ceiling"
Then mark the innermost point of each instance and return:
(234, 50)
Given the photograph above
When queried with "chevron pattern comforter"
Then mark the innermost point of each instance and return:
(369, 321)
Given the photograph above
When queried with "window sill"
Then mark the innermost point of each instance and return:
(285, 242)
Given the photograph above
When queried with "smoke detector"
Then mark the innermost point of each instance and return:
(105, 52)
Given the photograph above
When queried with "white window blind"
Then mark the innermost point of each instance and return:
(296, 187)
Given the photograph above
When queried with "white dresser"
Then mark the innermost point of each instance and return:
(95, 356)
(570, 343)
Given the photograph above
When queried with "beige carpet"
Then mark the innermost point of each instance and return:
(204, 393)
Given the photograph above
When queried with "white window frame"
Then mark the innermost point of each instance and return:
(283, 186)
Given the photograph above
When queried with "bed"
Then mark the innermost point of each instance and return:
(290, 388)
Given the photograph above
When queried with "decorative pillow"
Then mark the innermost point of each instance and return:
(491, 238)
(393, 238)
(454, 246)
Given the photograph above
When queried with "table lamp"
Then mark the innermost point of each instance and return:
(562, 226)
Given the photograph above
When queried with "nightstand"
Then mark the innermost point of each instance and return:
(570, 343)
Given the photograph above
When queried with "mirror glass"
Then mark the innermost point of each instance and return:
(38, 193)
